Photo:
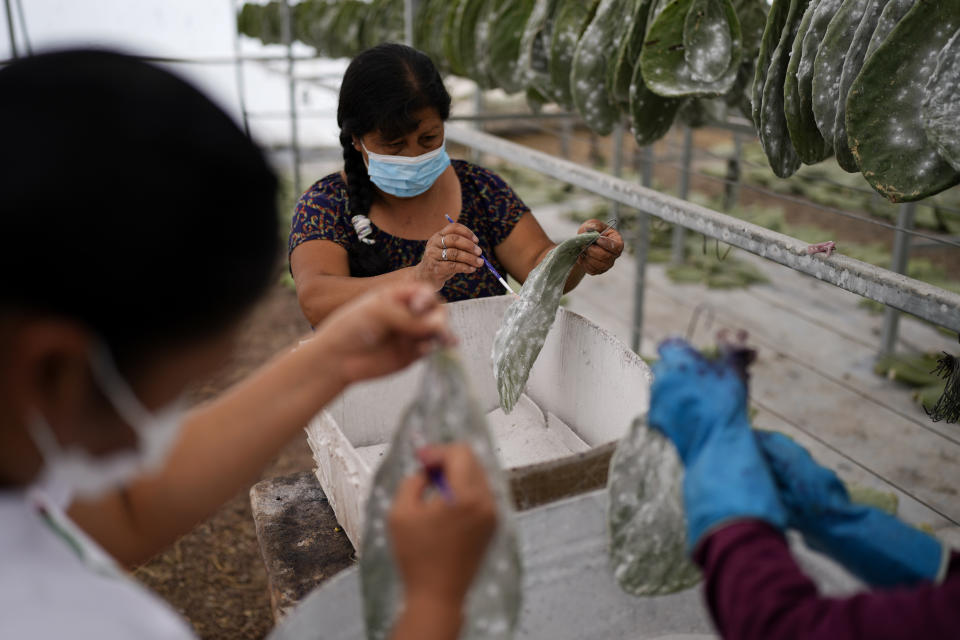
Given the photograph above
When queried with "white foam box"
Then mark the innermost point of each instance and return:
(584, 391)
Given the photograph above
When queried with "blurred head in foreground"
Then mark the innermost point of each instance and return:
(137, 225)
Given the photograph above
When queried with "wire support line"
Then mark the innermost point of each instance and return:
(673, 146)
(769, 344)
(779, 196)
(677, 148)
(817, 179)
(825, 208)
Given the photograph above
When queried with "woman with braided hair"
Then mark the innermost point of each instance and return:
(382, 219)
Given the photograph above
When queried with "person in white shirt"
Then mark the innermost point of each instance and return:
(137, 227)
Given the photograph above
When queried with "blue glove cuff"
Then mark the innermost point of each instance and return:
(878, 548)
(727, 481)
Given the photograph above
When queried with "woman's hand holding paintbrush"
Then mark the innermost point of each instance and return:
(439, 542)
(490, 267)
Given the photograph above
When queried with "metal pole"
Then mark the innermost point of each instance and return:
(238, 70)
(566, 133)
(478, 107)
(648, 160)
(731, 190)
(595, 156)
(618, 134)
(901, 255)
(677, 248)
(13, 34)
(409, 17)
(294, 133)
(23, 28)
(642, 248)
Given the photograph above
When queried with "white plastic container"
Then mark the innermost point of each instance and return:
(583, 392)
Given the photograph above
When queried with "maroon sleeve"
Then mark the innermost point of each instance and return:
(756, 591)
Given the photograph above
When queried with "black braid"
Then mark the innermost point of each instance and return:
(365, 259)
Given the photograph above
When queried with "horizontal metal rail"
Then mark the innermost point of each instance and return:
(520, 115)
(212, 60)
(901, 292)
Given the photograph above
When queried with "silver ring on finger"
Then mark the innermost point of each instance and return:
(443, 254)
(443, 241)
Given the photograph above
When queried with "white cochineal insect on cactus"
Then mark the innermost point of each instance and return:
(528, 319)
(443, 411)
(648, 554)
(941, 103)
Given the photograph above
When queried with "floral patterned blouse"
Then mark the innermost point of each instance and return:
(490, 209)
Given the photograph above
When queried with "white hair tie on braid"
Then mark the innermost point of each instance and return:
(364, 229)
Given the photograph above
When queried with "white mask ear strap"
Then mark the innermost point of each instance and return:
(117, 390)
(366, 158)
(43, 436)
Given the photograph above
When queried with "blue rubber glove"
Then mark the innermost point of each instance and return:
(702, 407)
(875, 546)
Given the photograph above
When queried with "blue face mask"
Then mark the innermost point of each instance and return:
(406, 177)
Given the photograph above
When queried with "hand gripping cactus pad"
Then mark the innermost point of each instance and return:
(443, 411)
(646, 519)
(798, 84)
(941, 104)
(528, 319)
(885, 124)
(664, 59)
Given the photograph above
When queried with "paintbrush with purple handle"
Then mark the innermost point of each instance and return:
(490, 266)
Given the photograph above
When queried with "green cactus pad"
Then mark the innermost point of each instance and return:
(573, 16)
(776, 19)
(852, 64)
(798, 84)
(707, 40)
(664, 57)
(591, 96)
(828, 66)
(773, 132)
(941, 104)
(620, 74)
(885, 124)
